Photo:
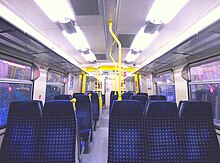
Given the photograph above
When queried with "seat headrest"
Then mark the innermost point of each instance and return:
(145, 94)
(113, 92)
(139, 97)
(157, 97)
(82, 100)
(28, 108)
(115, 97)
(95, 96)
(127, 108)
(58, 108)
(196, 109)
(161, 109)
(63, 97)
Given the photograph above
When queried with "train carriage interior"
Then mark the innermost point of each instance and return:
(109, 81)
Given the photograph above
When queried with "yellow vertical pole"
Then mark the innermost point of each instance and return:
(84, 83)
(136, 82)
(119, 59)
(110, 55)
(97, 80)
(100, 94)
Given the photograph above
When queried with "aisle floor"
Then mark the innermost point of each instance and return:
(99, 147)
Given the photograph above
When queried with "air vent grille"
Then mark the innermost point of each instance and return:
(100, 56)
(85, 7)
(126, 39)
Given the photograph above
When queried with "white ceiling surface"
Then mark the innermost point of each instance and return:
(132, 15)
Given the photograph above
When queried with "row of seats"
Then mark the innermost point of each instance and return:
(36, 134)
(161, 135)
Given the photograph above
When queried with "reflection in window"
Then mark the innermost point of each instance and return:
(55, 85)
(165, 85)
(209, 71)
(10, 92)
(14, 71)
(207, 92)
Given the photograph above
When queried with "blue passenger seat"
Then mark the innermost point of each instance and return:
(113, 93)
(126, 141)
(142, 98)
(58, 132)
(140, 93)
(22, 133)
(157, 97)
(63, 97)
(112, 99)
(201, 144)
(124, 97)
(95, 108)
(75, 94)
(162, 138)
(85, 119)
(128, 94)
(58, 140)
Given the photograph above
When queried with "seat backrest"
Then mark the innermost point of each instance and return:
(128, 94)
(180, 103)
(84, 112)
(113, 93)
(126, 133)
(22, 132)
(112, 99)
(58, 132)
(142, 98)
(63, 97)
(145, 94)
(124, 97)
(95, 106)
(200, 140)
(162, 138)
(157, 97)
(75, 94)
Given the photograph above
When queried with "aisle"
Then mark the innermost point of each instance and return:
(99, 146)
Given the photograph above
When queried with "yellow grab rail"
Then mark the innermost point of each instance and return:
(74, 103)
(84, 83)
(110, 55)
(119, 58)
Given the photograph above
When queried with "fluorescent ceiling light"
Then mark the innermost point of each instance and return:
(77, 39)
(165, 11)
(56, 10)
(131, 56)
(88, 55)
(143, 40)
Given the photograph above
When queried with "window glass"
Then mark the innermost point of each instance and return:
(205, 85)
(71, 86)
(165, 85)
(209, 71)
(55, 85)
(14, 71)
(10, 92)
(207, 92)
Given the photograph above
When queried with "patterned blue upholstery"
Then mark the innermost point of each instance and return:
(63, 97)
(145, 94)
(126, 133)
(112, 99)
(157, 97)
(21, 136)
(162, 136)
(142, 98)
(95, 106)
(200, 140)
(58, 132)
(129, 94)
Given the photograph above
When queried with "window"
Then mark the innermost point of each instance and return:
(15, 85)
(55, 84)
(165, 85)
(205, 85)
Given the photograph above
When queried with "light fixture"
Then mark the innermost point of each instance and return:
(142, 40)
(151, 26)
(88, 55)
(57, 10)
(132, 55)
(165, 11)
(68, 25)
(77, 39)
